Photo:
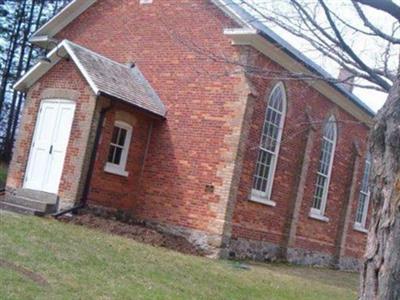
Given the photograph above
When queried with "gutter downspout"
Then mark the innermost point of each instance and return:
(89, 175)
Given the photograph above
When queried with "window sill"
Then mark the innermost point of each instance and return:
(113, 170)
(261, 200)
(318, 217)
(360, 228)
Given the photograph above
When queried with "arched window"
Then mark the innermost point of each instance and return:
(269, 145)
(363, 199)
(325, 168)
(119, 149)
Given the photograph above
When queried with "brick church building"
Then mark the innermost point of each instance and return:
(177, 113)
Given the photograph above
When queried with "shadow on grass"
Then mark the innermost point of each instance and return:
(334, 278)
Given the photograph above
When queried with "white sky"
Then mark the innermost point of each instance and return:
(369, 48)
(373, 99)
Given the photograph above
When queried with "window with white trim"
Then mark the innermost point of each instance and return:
(119, 149)
(325, 168)
(363, 199)
(269, 146)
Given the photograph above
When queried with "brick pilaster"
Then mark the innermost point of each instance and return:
(346, 213)
(231, 169)
(294, 220)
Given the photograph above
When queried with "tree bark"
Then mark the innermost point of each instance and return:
(380, 276)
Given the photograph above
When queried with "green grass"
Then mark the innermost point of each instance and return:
(3, 174)
(79, 263)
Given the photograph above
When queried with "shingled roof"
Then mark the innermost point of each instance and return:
(105, 77)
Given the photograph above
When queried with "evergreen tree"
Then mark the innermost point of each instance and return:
(18, 20)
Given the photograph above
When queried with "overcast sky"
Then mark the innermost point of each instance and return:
(370, 49)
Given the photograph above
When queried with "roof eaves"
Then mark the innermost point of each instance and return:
(62, 19)
(84, 72)
(36, 72)
(41, 68)
(319, 71)
(227, 7)
(272, 37)
(151, 113)
(149, 89)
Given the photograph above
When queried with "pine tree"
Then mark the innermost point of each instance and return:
(18, 20)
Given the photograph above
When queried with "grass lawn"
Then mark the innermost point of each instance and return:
(45, 259)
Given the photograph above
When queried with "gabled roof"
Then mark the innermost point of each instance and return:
(104, 76)
(252, 32)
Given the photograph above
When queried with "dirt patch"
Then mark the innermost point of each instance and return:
(39, 279)
(138, 233)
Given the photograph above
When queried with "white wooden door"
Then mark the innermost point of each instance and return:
(49, 146)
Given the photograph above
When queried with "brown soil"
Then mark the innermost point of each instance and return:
(138, 233)
(39, 279)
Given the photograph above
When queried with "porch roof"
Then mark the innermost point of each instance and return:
(105, 77)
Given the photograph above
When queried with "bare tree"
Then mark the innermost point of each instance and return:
(317, 23)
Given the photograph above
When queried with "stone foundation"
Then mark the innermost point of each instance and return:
(255, 250)
(265, 251)
(349, 264)
(202, 240)
(305, 257)
(235, 248)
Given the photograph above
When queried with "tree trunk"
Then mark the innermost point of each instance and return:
(380, 277)
(12, 116)
(20, 15)
(27, 67)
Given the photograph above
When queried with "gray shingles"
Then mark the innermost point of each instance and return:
(118, 80)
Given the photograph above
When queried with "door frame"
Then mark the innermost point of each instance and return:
(43, 101)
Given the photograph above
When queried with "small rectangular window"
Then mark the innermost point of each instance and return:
(117, 145)
(118, 149)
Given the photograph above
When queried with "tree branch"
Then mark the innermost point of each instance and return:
(375, 29)
(374, 77)
(387, 6)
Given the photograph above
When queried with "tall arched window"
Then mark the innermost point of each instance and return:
(363, 199)
(325, 167)
(269, 145)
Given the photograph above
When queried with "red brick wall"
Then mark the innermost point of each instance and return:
(186, 150)
(256, 221)
(113, 190)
